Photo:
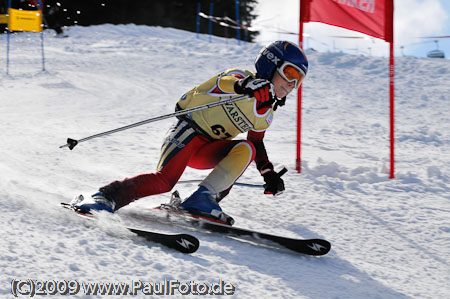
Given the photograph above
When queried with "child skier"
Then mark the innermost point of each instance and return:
(204, 139)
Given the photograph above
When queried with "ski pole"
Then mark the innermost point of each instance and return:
(280, 173)
(71, 143)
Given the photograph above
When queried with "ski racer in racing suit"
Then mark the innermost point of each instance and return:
(204, 139)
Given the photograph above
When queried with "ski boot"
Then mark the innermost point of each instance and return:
(97, 202)
(203, 203)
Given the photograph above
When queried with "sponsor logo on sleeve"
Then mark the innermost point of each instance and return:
(269, 119)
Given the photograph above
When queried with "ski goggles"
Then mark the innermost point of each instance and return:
(291, 73)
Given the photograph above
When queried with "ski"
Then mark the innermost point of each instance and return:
(182, 242)
(314, 247)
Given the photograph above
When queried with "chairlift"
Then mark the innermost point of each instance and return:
(436, 53)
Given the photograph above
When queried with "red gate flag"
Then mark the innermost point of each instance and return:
(371, 17)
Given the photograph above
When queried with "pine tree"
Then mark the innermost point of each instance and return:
(181, 14)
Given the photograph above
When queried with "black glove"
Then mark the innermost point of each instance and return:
(274, 183)
(261, 89)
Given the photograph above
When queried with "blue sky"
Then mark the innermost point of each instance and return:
(413, 20)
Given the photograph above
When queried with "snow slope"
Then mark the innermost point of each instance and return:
(391, 238)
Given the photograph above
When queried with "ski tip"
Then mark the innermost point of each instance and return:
(187, 243)
(181, 242)
(318, 247)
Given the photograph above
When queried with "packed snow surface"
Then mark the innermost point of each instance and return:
(390, 237)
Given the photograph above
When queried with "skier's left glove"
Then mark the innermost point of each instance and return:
(274, 184)
(261, 89)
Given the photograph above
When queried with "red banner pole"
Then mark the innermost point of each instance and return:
(298, 161)
(391, 100)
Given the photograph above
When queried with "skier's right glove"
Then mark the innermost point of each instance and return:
(261, 89)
